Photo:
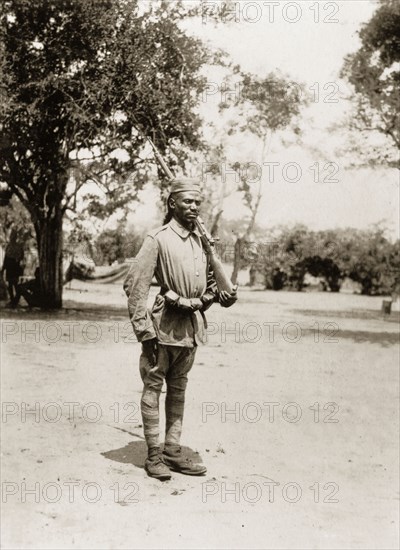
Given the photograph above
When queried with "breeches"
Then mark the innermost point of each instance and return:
(173, 365)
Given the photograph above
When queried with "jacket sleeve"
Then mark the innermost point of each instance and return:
(137, 287)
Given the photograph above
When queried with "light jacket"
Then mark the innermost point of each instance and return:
(177, 259)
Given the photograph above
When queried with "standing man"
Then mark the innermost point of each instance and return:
(13, 264)
(170, 332)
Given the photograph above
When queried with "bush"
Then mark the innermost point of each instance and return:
(116, 245)
(366, 257)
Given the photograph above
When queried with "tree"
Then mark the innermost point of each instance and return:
(371, 260)
(374, 73)
(263, 107)
(84, 75)
(116, 245)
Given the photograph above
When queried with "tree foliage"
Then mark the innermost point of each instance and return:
(116, 245)
(367, 257)
(374, 72)
(262, 104)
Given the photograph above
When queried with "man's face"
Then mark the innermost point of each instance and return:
(185, 206)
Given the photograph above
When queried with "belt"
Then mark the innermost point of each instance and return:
(189, 305)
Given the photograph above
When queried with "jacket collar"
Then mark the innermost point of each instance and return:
(180, 230)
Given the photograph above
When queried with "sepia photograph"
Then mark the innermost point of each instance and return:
(200, 274)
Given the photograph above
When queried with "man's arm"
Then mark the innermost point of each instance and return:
(211, 294)
(137, 287)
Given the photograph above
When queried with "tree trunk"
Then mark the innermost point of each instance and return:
(236, 260)
(366, 287)
(215, 224)
(299, 281)
(50, 242)
(252, 276)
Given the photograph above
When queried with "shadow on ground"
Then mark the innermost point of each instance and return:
(394, 317)
(136, 452)
(385, 339)
(71, 311)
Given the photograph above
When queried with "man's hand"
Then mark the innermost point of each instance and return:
(150, 350)
(226, 299)
(184, 304)
(189, 304)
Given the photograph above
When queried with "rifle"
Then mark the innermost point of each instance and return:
(160, 160)
(222, 280)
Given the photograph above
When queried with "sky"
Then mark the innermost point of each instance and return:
(310, 183)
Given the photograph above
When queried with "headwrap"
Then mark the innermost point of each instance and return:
(179, 185)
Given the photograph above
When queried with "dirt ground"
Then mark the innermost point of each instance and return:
(292, 405)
